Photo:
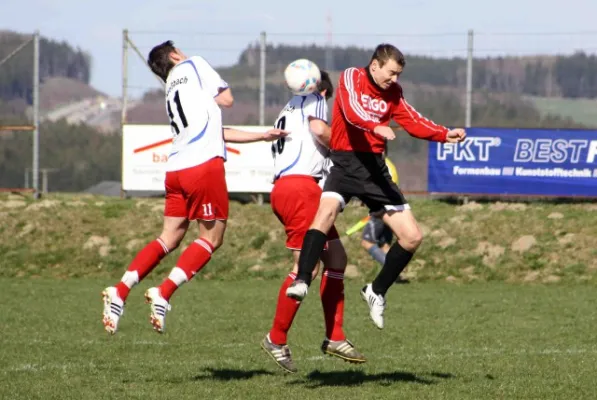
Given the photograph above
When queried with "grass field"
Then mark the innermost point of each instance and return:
(441, 341)
(72, 236)
(501, 305)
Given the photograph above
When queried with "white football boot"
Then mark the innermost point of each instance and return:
(159, 307)
(376, 303)
(113, 309)
(297, 290)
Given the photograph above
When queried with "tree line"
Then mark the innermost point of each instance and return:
(573, 76)
(57, 59)
(81, 155)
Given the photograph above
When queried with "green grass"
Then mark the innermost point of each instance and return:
(583, 111)
(441, 341)
(90, 236)
(493, 332)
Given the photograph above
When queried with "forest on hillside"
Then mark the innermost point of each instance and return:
(56, 59)
(82, 156)
(79, 155)
(565, 75)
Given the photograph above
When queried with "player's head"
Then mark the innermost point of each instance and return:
(163, 57)
(386, 65)
(325, 87)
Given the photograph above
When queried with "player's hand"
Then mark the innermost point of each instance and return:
(385, 132)
(274, 134)
(456, 135)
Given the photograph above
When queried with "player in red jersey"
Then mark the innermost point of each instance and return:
(367, 100)
(195, 180)
(300, 163)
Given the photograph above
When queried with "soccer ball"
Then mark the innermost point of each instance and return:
(302, 77)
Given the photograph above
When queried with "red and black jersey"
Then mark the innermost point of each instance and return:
(361, 105)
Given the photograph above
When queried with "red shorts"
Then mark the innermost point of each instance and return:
(295, 199)
(198, 192)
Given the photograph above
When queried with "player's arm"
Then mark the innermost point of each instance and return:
(320, 130)
(211, 81)
(224, 98)
(348, 94)
(232, 135)
(317, 114)
(416, 125)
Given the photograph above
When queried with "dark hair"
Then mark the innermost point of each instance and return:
(385, 52)
(326, 84)
(159, 59)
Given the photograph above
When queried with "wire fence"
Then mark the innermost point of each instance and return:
(223, 49)
(462, 49)
(257, 97)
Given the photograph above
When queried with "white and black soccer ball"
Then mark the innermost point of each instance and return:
(302, 77)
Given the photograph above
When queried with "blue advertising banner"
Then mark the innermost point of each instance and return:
(516, 161)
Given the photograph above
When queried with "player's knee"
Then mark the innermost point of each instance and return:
(172, 241)
(414, 239)
(327, 215)
(324, 219)
(217, 242)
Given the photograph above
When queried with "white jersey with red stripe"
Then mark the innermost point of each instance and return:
(300, 153)
(195, 117)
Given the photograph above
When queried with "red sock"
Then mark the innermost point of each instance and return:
(190, 262)
(143, 263)
(285, 311)
(332, 299)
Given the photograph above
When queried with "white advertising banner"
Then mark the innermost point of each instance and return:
(145, 149)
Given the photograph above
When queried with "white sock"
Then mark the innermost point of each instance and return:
(178, 276)
(130, 278)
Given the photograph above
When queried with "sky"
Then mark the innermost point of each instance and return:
(220, 30)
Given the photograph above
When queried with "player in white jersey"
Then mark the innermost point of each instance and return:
(195, 180)
(301, 162)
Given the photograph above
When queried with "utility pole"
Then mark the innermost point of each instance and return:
(262, 80)
(35, 168)
(469, 81)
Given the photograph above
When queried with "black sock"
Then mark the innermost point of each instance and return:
(313, 245)
(396, 260)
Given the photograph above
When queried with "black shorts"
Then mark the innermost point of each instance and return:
(377, 232)
(366, 177)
